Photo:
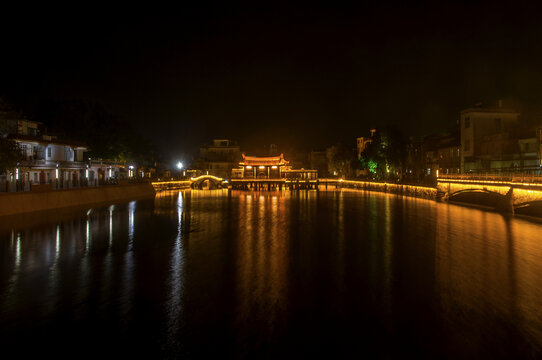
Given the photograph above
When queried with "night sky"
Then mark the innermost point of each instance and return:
(307, 75)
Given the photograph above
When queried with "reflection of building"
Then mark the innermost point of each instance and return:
(270, 167)
(219, 158)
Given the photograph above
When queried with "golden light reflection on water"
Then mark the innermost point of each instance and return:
(261, 265)
(341, 248)
(487, 262)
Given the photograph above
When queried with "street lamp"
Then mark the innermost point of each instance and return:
(180, 166)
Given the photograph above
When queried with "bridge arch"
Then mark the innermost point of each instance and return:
(215, 182)
(478, 196)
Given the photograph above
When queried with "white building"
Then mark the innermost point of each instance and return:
(48, 160)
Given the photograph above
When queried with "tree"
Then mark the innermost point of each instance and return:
(340, 159)
(10, 155)
(385, 156)
(107, 135)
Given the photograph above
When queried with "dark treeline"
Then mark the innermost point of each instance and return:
(107, 135)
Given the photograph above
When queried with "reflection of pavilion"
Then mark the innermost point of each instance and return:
(269, 167)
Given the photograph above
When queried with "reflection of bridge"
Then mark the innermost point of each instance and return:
(503, 192)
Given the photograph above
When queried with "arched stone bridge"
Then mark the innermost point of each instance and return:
(214, 182)
(506, 193)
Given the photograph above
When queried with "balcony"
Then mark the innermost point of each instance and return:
(41, 164)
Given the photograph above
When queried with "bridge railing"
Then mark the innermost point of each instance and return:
(504, 177)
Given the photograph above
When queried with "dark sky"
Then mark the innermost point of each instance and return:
(306, 75)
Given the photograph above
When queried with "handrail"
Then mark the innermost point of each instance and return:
(504, 177)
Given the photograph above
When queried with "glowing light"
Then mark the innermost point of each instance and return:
(179, 165)
(206, 177)
(131, 167)
(274, 167)
(249, 167)
(86, 173)
(110, 171)
(262, 167)
(16, 174)
(56, 173)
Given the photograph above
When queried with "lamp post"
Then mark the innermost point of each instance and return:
(179, 166)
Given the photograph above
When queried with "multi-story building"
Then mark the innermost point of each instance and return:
(362, 142)
(47, 160)
(480, 126)
(414, 162)
(441, 152)
(219, 158)
(318, 161)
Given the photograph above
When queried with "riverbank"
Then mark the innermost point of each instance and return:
(424, 192)
(26, 202)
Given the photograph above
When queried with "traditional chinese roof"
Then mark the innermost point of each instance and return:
(263, 160)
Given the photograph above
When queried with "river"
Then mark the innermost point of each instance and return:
(298, 274)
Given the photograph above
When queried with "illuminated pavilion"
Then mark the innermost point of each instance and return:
(269, 167)
(261, 167)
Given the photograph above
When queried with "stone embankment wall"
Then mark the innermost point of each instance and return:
(24, 202)
(423, 192)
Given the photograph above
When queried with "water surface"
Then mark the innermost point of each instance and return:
(272, 275)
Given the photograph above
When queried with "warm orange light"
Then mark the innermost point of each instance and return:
(274, 167)
(249, 167)
(262, 167)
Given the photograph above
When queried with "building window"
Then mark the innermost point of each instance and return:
(68, 153)
(467, 122)
(498, 125)
(49, 152)
(467, 145)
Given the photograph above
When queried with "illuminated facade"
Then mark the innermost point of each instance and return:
(45, 158)
(261, 167)
(270, 167)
